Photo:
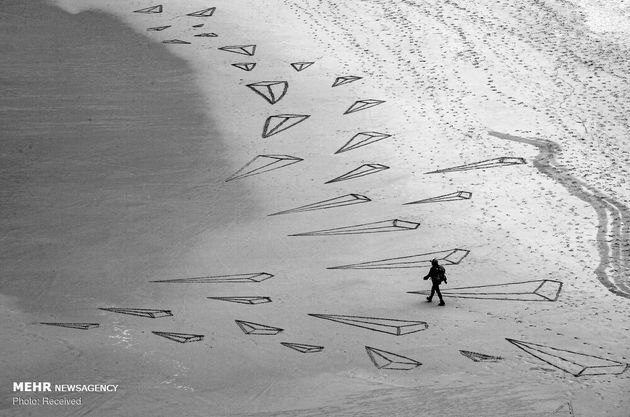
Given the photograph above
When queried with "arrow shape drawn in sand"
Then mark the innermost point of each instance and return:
(245, 66)
(243, 300)
(272, 91)
(257, 329)
(455, 196)
(203, 13)
(535, 290)
(389, 326)
(301, 66)
(240, 49)
(394, 225)
(141, 312)
(152, 9)
(281, 122)
(362, 139)
(363, 170)
(180, 337)
(449, 257)
(344, 200)
(388, 360)
(221, 279)
(206, 35)
(264, 163)
(302, 348)
(77, 326)
(574, 363)
(488, 163)
(363, 105)
(345, 80)
(158, 28)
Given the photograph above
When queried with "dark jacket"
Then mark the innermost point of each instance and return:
(435, 273)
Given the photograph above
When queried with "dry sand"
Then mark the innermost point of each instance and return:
(461, 82)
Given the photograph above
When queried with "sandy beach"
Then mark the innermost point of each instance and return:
(267, 183)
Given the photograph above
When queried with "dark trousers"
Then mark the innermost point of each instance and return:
(436, 289)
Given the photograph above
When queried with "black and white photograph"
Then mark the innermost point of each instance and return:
(305, 208)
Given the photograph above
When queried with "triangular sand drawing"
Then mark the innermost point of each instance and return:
(257, 329)
(394, 225)
(141, 312)
(455, 196)
(245, 66)
(152, 9)
(264, 163)
(488, 163)
(176, 42)
(390, 326)
(387, 360)
(203, 13)
(536, 290)
(272, 91)
(480, 357)
(448, 257)
(344, 200)
(180, 337)
(221, 279)
(78, 326)
(362, 139)
(158, 28)
(362, 105)
(240, 49)
(302, 348)
(576, 364)
(301, 66)
(281, 122)
(363, 170)
(244, 300)
(206, 35)
(345, 80)
(564, 410)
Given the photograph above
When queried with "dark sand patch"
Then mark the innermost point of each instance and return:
(110, 168)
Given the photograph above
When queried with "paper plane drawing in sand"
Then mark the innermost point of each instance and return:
(363, 170)
(488, 163)
(363, 105)
(264, 163)
(388, 360)
(536, 290)
(249, 50)
(272, 91)
(574, 363)
(395, 327)
(447, 257)
(455, 196)
(342, 201)
(362, 139)
(394, 225)
(222, 279)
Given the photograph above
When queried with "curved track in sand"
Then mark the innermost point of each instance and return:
(614, 227)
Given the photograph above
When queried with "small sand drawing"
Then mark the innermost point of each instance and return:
(383, 359)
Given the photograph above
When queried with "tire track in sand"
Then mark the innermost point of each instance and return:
(613, 231)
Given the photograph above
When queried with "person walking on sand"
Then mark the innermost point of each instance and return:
(437, 273)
